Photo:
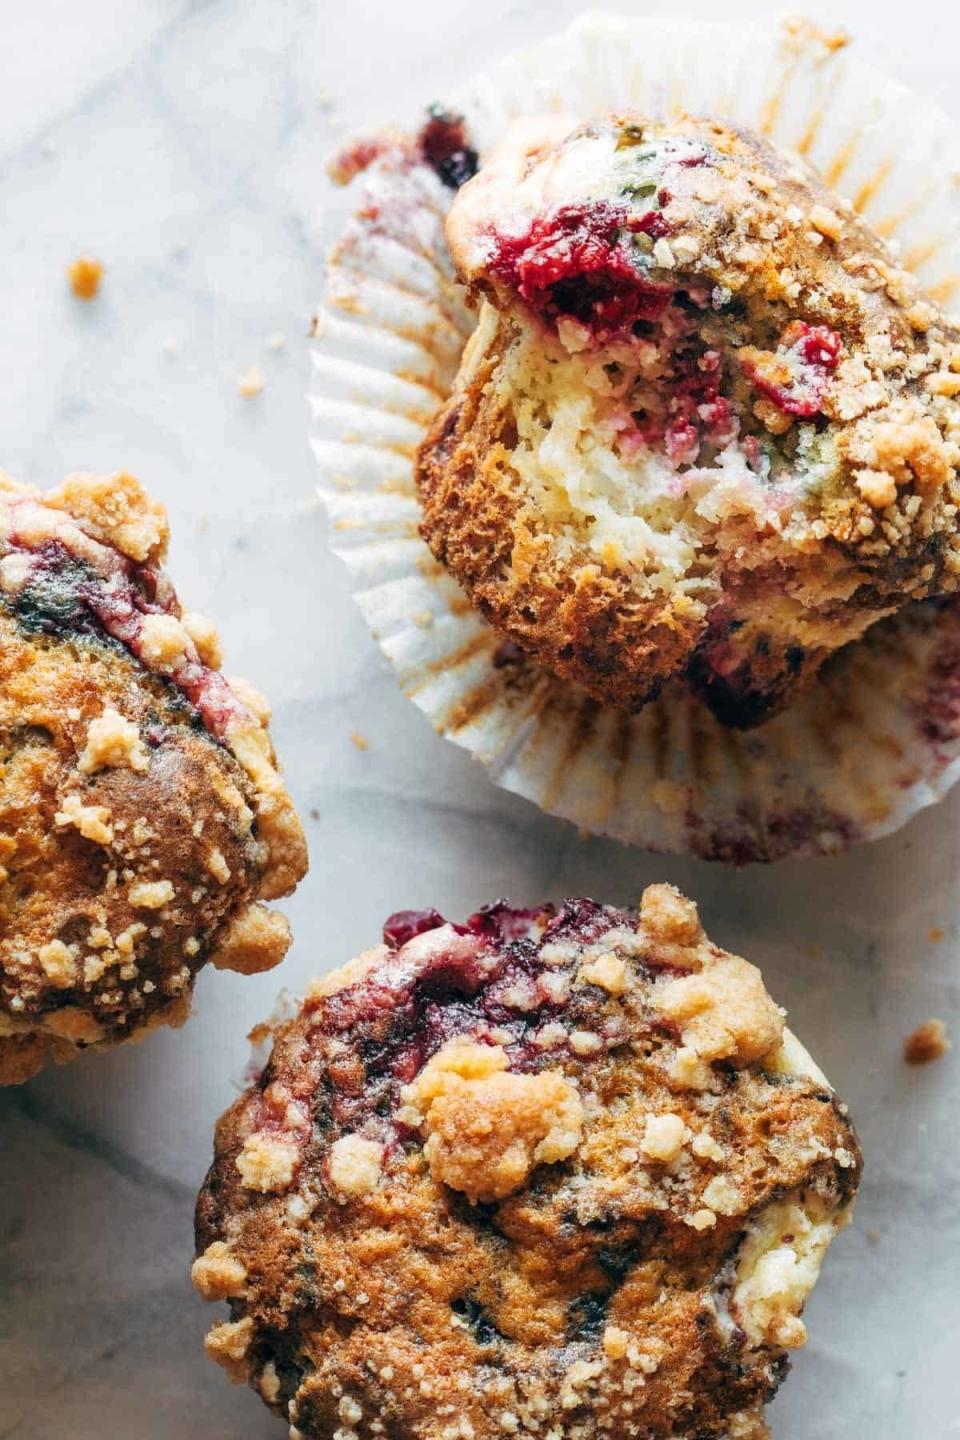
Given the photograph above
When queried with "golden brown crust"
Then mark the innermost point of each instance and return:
(587, 624)
(537, 1174)
(868, 419)
(134, 845)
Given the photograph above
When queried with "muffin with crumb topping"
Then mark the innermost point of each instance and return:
(707, 427)
(558, 1171)
(142, 819)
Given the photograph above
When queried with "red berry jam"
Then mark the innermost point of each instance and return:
(578, 264)
(402, 925)
(811, 353)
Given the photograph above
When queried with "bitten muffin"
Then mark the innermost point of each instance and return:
(707, 426)
(142, 818)
(552, 1172)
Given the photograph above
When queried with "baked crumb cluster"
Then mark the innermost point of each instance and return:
(927, 1043)
(555, 1172)
(142, 818)
(707, 426)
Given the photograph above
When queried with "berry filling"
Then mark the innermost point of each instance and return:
(581, 264)
(444, 146)
(795, 377)
(497, 980)
(99, 593)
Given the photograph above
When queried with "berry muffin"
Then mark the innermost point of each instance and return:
(558, 1172)
(707, 426)
(142, 819)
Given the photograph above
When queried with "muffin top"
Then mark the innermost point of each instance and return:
(142, 818)
(552, 1171)
(708, 426)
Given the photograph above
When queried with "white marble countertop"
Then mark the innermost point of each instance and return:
(182, 144)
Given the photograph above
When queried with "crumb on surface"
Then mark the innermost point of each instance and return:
(116, 507)
(608, 971)
(927, 1043)
(251, 383)
(254, 699)
(85, 276)
(361, 741)
(58, 964)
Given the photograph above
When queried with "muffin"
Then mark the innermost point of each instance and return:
(553, 1171)
(142, 818)
(707, 427)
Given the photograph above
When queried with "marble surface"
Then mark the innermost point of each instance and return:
(183, 144)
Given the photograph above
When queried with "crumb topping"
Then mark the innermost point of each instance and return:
(724, 1011)
(112, 741)
(355, 1165)
(487, 1129)
(217, 1274)
(266, 1163)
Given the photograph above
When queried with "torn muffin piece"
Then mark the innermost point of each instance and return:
(552, 1171)
(143, 821)
(707, 427)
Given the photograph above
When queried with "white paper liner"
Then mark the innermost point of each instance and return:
(878, 738)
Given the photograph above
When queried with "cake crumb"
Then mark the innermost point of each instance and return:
(361, 741)
(85, 276)
(251, 383)
(927, 1043)
(934, 934)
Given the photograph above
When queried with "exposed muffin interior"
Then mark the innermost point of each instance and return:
(558, 1172)
(706, 428)
(142, 818)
